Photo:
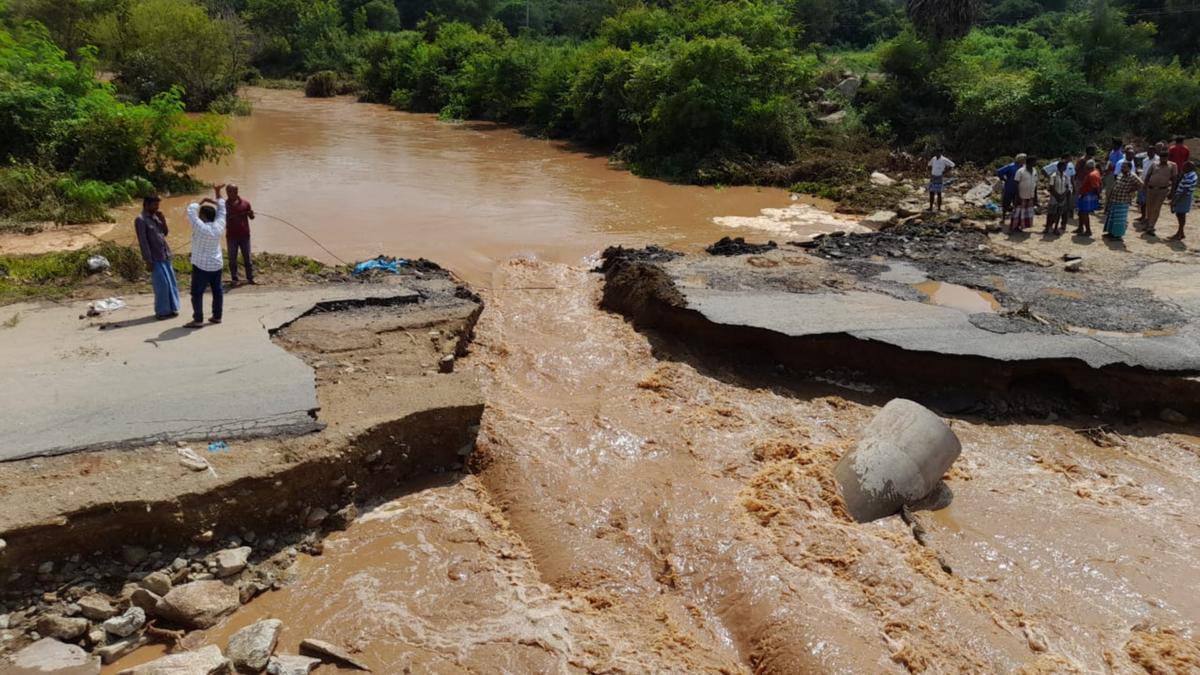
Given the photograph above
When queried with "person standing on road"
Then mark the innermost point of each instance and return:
(1059, 208)
(151, 229)
(239, 213)
(208, 227)
(1185, 194)
(1150, 161)
(938, 166)
(1179, 152)
(1116, 215)
(1089, 198)
(1159, 182)
(1026, 180)
(1008, 174)
(1115, 156)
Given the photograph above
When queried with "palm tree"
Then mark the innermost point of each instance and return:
(943, 19)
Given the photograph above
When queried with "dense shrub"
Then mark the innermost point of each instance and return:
(322, 84)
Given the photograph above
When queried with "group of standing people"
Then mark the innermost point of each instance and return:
(1163, 174)
(212, 219)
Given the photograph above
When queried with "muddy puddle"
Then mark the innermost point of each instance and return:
(635, 507)
(958, 297)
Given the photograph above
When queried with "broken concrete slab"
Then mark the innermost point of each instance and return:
(220, 382)
(51, 656)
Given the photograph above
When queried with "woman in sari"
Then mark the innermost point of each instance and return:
(1089, 198)
(1116, 215)
(1185, 194)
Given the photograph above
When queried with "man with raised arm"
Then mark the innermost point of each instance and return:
(208, 228)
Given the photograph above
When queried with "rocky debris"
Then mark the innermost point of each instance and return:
(446, 364)
(127, 624)
(342, 518)
(849, 87)
(115, 650)
(198, 604)
(1171, 416)
(880, 218)
(96, 607)
(146, 599)
(62, 627)
(157, 583)
(231, 561)
(48, 655)
(287, 664)
(833, 119)
(980, 194)
(134, 555)
(326, 650)
(649, 254)
(738, 246)
(1074, 265)
(900, 459)
(881, 179)
(250, 648)
(204, 661)
(316, 517)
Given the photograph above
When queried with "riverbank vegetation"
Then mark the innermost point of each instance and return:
(779, 91)
(70, 149)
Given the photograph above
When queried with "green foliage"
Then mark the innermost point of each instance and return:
(232, 104)
(322, 84)
(69, 149)
(56, 274)
(155, 45)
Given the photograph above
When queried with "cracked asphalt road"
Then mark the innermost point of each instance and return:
(124, 379)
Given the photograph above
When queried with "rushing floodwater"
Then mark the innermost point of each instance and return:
(648, 513)
(365, 179)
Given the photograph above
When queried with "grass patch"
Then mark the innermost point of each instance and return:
(12, 321)
(292, 85)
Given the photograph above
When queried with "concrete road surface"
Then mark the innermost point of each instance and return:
(125, 379)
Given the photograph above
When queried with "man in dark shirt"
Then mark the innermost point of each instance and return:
(151, 229)
(238, 214)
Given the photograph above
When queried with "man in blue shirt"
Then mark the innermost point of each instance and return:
(1008, 174)
(1112, 169)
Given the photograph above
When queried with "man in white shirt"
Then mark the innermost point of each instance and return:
(1026, 180)
(208, 229)
(937, 172)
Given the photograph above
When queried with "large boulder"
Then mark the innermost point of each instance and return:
(127, 624)
(882, 179)
(205, 661)
(199, 604)
(849, 87)
(232, 560)
(286, 664)
(51, 656)
(62, 627)
(900, 459)
(251, 647)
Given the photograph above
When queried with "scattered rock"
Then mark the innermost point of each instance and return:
(232, 560)
(250, 648)
(287, 664)
(326, 650)
(900, 458)
(834, 118)
(880, 218)
(97, 637)
(115, 650)
(204, 661)
(1173, 416)
(96, 607)
(3, 545)
(446, 365)
(127, 624)
(157, 583)
(849, 87)
(51, 656)
(198, 604)
(134, 555)
(204, 537)
(1074, 266)
(738, 246)
(826, 106)
(980, 194)
(342, 518)
(144, 598)
(62, 627)
(882, 179)
(316, 517)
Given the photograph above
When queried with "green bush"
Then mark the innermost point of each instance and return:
(321, 84)
(232, 104)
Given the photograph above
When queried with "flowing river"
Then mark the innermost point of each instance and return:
(643, 509)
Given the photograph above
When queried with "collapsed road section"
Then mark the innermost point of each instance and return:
(374, 362)
(933, 312)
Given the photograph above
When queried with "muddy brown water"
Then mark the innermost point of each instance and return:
(639, 509)
(365, 179)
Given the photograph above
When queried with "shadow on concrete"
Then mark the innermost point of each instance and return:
(172, 334)
(1083, 239)
(130, 323)
(1116, 244)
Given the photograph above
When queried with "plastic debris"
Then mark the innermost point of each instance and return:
(98, 263)
(382, 263)
(98, 307)
(218, 446)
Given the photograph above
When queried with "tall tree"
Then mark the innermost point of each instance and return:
(943, 19)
